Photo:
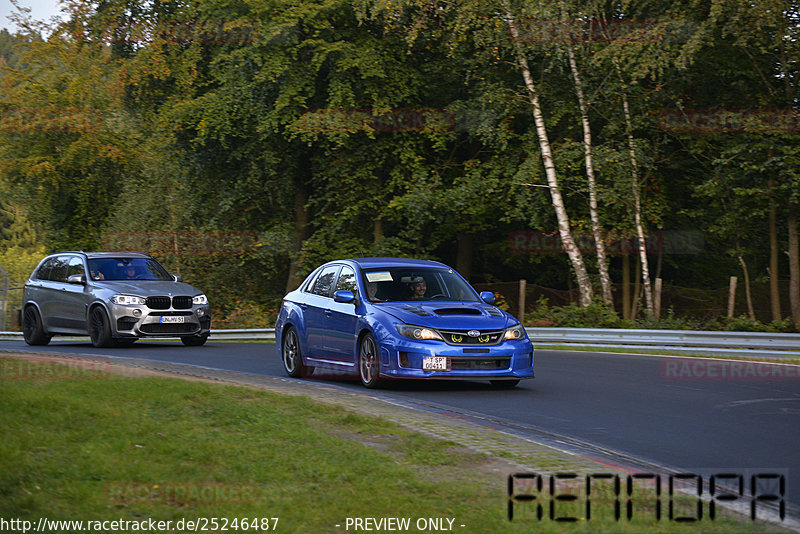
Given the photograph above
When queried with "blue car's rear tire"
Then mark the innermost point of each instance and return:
(368, 362)
(291, 355)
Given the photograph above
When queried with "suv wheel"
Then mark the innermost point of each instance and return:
(99, 329)
(32, 327)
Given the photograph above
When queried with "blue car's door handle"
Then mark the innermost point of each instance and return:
(328, 313)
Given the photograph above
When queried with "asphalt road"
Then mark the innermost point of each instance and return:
(631, 410)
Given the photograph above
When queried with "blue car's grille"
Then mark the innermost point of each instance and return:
(481, 364)
(463, 337)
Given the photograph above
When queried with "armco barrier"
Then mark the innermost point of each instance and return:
(736, 343)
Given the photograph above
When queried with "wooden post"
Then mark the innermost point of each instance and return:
(732, 296)
(522, 284)
(626, 287)
(657, 299)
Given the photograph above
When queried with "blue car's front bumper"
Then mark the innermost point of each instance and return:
(402, 358)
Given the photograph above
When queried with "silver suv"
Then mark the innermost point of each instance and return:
(115, 297)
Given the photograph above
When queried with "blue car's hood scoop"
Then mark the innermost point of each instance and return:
(450, 315)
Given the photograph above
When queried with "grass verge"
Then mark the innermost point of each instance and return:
(97, 446)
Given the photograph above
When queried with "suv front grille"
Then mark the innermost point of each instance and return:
(182, 303)
(164, 302)
(158, 303)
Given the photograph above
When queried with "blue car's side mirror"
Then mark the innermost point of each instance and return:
(344, 296)
(487, 297)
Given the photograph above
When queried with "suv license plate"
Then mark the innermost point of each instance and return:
(171, 319)
(435, 363)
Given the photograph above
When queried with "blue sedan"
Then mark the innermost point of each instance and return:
(390, 318)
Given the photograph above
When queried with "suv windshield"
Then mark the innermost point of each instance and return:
(127, 269)
(403, 283)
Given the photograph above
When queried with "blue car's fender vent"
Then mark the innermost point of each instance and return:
(418, 311)
(457, 311)
(494, 312)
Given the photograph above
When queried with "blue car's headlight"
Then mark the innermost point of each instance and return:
(515, 333)
(418, 332)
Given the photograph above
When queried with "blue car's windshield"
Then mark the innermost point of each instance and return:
(416, 284)
(127, 269)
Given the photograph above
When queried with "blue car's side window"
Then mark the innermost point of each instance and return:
(347, 280)
(324, 282)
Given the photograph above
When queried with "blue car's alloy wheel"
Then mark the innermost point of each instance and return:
(368, 361)
(291, 356)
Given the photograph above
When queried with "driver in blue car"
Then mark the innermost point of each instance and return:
(418, 287)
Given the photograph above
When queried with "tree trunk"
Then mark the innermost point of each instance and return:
(637, 196)
(626, 286)
(464, 255)
(748, 298)
(377, 230)
(637, 292)
(774, 290)
(574, 254)
(597, 231)
(794, 267)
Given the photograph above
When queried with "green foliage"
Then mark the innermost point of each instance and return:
(596, 315)
(328, 128)
(743, 323)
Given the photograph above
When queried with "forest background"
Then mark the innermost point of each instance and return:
(591, 148)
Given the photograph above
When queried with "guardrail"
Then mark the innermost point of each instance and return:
(747, 343)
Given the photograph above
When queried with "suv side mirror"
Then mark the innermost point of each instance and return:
(177, 278)
(76, 279)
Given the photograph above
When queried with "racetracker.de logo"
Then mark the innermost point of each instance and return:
(46, 368)
(715, 370)
(729, 121)
(128, 493)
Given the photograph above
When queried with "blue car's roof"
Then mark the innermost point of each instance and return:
(366, 263)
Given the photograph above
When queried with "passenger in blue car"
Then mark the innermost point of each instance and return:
(372, 292)
(418, 287)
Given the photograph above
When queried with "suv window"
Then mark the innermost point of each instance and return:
(347, 280)
(325, 280)
(43, 272)
(58, 271)
(75, 266)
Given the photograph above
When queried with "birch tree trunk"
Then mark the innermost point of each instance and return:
(597, 231)
(637, 197)
(574, 254)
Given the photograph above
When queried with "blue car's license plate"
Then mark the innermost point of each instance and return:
(435, 363)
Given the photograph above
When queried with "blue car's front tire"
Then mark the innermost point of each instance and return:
(368, 361)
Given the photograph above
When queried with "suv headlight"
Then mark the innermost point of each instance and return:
(418, 332)
(128, 300)
(200, 300)
(515, 333)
